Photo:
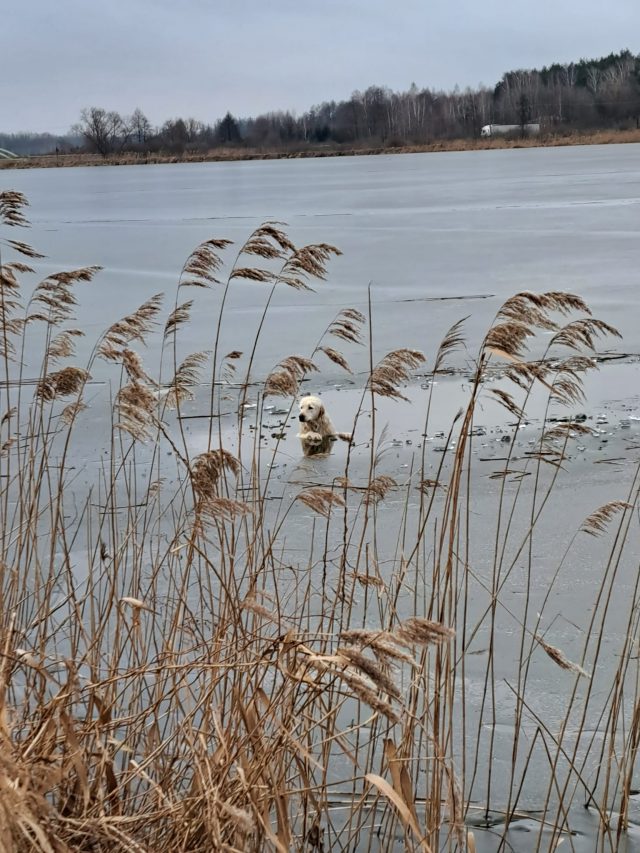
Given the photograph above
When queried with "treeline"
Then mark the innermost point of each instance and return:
(586, 95)
(26, 144)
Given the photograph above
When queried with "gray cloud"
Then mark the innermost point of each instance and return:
(202, 57)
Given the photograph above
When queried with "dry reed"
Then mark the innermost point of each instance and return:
(174, 675)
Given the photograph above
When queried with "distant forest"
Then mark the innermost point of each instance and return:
(586, 95)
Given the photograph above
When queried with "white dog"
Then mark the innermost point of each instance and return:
(317, 433)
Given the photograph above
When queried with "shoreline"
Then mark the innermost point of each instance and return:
(44, 161)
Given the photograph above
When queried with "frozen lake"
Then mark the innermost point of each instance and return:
(436, 237)
(418, 228)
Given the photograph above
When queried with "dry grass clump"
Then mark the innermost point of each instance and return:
(26, 814)
(195, 657)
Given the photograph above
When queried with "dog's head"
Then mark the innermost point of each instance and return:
(311, 408)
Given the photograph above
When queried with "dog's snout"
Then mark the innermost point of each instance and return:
(301, 418)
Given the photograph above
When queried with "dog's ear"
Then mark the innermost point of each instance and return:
(321, 410)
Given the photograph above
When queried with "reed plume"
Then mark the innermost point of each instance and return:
(422, 632)
(63, 344)
(179, 317)
(559, 657)
(336, 357)
(596, 523)
(305, 264)
(320, 500)
(62, 383)
(452, 341)
(393, 371)
(203, 264)
(207, 469)
(583, 334)
(136, 406)
(285, 380)
(348, 326)
(133, 327)
(12, 207)
(371, 669)
(185, 379)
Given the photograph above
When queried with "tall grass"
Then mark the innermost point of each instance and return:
(196, 657)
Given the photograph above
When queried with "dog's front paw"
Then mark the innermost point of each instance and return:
(313, 438)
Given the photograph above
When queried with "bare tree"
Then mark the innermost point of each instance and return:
(594, 76)
(103, 131)
(139, 127)
(174, 135)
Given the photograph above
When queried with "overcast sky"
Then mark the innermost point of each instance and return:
(201, 58)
